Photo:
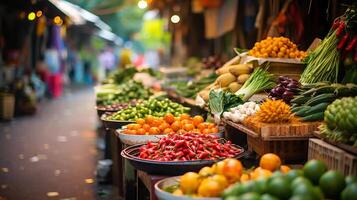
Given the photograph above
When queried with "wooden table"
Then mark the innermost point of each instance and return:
(146, 183)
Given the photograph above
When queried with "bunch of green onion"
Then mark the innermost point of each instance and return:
(323, 63)
(258, 81)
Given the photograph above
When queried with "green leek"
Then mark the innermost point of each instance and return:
(258, 81)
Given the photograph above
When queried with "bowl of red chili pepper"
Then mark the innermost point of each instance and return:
(176, 154)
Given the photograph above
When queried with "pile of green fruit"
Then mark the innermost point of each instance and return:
(190, 89)
(313, 100)
(154, 107)
(122, 93)
(313, 182)
(341, 121)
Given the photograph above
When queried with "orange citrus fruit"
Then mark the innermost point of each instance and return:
(141, 131)
(188, 127)
(176, 126)
(260, 173)
(197, 120)
(189, 182)
(169, 118)
(185, 116)
(154, 131)
(140, 121)
(270, 162)
(285, 169)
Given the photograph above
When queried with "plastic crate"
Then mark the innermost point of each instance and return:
(334, 157)
(288, 150)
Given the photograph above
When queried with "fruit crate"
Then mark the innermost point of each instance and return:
(334, 157)
(290, 151)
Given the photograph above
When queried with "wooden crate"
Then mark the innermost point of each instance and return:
(288, 150)
(283, 131)
(334, 157)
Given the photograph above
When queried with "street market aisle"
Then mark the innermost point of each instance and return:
(51, 155)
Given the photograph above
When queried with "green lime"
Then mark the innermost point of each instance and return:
(350, 179)
(261, 185)
(332, 183)
(276, 174)
(249, 196)
(250, 186)
(268, 197)
(279, 187)
(234, 190)
(300, 181)
(292, 174)
(307, 190)
(300, 197)
(350, 192)
(314, 169)
(232, 198)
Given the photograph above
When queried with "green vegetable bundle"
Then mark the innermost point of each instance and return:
(152, 107)
(122, 93)
(221, 101)
(311, 104)
(258, 81)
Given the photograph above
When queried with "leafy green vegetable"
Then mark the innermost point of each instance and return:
(220, 101)
(258, 81)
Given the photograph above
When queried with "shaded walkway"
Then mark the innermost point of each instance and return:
(51, 155)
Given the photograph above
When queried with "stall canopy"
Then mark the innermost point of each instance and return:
(80, 16)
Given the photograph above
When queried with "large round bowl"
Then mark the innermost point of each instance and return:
(130, 139)
(170, 168)
(113, 124)
(100, 111)
(167, 182)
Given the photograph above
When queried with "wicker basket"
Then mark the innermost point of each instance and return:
(7, 106)
(288, 150)
(334, 157)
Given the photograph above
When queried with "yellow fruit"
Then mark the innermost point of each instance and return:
(222, 180)
(285, 169)
(178, 192)
(218, 167)
(270, 162)
(206, 171)
(244, 178)
(272, 111)
(232, 169)
(210, 188)
(189, 182)
(260, 173)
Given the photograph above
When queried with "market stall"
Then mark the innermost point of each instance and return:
(274, 122)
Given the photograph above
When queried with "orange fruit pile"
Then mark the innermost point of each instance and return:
(276, 47)
(170, 124)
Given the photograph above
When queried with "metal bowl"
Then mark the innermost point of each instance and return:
(113, 124)
(142, 139)
(167, 182)
(170, 168)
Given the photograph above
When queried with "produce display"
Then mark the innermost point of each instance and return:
(190, 89)
(117, 106)
(123, 93)
(286, 89)
(188, 146)
(170, 124)
(154, 107)
(231, 78)
(341, 121)
(239, 113)
(212, 62)
(313, 100)
(258, 81)
(276, 47)
(313, 182)
(324, 63)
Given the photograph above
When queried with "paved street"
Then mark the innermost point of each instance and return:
(51, 155)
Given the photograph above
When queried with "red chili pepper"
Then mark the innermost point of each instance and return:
(340, 29)
(343, 41)
(352, 44)
(336, 23)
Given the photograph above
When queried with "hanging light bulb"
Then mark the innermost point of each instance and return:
(142, 4)
(175, 19)
(31, 16)
(57, 20)
(39, 13)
